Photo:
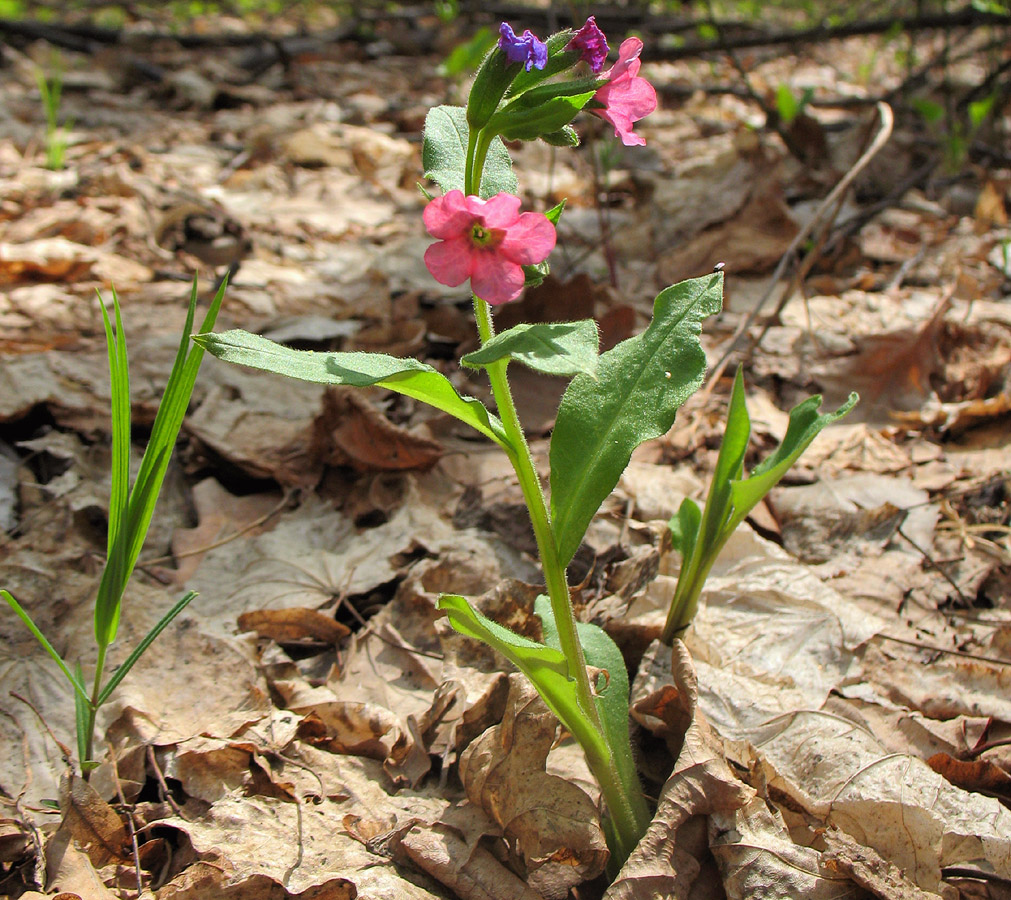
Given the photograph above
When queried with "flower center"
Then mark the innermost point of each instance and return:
(485, 237)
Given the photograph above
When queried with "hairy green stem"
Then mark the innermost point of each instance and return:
(629, 814)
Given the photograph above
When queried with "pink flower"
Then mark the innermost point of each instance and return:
(626, 97)
(487, 241)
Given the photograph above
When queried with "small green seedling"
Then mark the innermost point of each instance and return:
(51, 91)
(130, 512)
(699, 536)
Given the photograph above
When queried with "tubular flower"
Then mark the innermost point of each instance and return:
(591, 43)
(487, 241)
(626, 97)
(525, 48)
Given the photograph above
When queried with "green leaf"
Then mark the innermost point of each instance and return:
(640, 385)
(78, 685)
(611, 695)
(554, 348)
(154, 464)
(519, 122)
(404, 376)
(805, 425)
(684, 528)
(545, 666)
(444, 154)
(138, 651)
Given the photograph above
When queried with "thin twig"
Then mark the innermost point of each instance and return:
(129, 820)
(934, 565)
(196, 551)
(919, 645)
(884, 132)
(160, 778)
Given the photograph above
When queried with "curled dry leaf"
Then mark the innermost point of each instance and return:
(294, 625)
(552, 826)
(350, 431)
(702, 784)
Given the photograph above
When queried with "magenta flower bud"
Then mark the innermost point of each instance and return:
(525, 48)
(591, 44)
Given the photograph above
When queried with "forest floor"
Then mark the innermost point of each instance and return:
(840, 724)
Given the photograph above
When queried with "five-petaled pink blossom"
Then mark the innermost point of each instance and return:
(591, 44)
(487, 241)
(626, 97)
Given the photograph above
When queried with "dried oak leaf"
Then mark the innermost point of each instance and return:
(551, 825)
(350, 431)
(702, 784)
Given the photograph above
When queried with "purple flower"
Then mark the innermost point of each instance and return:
(591, 44)
(523, 49)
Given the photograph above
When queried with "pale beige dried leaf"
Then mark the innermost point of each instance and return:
(893, 803)
(701, 784)
(551, 825)
(758, 858)
(69, 871)
(471, 873)
(868, 870)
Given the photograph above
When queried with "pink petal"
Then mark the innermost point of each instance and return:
(628, 56)
(447, 216)
(495, 279)
(450, 261)
(530, 240)
(500, 211)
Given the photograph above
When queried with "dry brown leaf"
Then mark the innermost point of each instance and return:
(351, 431)
(472, 873)
(92, 823)
(977, 775)
(551, 825)
(293, 625)
(665, 863)
(868, 870)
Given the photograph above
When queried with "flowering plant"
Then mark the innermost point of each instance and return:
(528, 89)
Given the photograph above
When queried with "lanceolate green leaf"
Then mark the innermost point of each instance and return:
(684, 528)
(546, 667)
(805, 424)
(554, 348)
(640, 385)
(611, 696)
(144, 495)
(404, 376)
(444, 154)
(520, 122)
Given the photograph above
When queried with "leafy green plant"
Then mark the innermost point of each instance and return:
(51, 92)
(614, 401)
(130, 512)
(700, 536)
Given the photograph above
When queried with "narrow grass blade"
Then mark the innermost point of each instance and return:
(139, 650)
(77, 684)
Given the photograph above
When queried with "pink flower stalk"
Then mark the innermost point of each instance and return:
(487, 241)
(626, 97)
(591, 44)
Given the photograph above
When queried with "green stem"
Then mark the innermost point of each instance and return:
(626, 806)
(93, 704)
(629, 814)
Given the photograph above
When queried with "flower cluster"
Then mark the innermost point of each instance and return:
(489, 241)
